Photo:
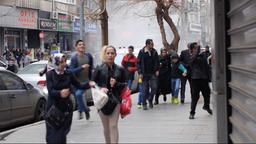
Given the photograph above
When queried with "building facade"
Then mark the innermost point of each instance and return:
(189, 26)
(48, 25)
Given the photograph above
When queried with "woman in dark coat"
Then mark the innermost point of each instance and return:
(59, 83)
(111, 78)
(164, 76)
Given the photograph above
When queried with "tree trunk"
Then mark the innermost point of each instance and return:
(162, 13)
(104, 23)
(176, 37)
(161, 25)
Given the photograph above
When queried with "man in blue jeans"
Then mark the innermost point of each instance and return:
(81, 65)
(148, 69)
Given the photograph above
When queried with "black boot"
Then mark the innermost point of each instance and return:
(208, 109)
(87, 115)
(150, 104)
(145, 107)
(165, 98)
(80, 115)
(191, 116)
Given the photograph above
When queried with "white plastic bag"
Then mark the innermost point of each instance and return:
(99, 98)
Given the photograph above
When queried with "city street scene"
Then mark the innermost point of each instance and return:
(127, 71)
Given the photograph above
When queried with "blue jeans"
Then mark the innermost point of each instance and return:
(175, 87)
(149, 80)
(82, 105)
(129, 83)
(139, 95)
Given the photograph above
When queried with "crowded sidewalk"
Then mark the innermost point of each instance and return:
(165, 123)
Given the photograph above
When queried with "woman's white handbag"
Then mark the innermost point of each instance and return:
(99, 98)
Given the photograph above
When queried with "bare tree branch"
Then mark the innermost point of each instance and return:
(162, 14)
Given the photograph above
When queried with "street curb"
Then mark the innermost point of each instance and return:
(8, 132)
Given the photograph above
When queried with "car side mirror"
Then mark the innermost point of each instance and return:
(29, 86)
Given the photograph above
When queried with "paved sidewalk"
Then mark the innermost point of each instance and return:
(166, 123)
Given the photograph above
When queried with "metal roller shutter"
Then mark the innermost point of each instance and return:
(242, 50)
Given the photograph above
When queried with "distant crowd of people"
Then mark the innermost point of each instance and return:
(18, 58)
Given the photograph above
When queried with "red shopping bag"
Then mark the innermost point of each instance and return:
(126, 104)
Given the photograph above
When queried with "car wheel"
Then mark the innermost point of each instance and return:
(40, 110)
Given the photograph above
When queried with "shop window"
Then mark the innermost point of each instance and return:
(13, 39)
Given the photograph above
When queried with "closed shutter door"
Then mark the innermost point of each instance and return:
(242, 33)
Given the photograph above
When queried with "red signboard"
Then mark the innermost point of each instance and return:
(27, 18)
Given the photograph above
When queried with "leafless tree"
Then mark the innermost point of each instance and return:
(162, 12)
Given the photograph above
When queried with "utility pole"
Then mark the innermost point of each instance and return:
(104, 23)
(82, 20)
(184, 24)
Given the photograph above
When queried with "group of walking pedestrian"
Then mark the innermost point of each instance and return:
(158, 75)
(81, 75)
(168, 72)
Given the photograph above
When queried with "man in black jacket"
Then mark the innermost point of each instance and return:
(184, 59)
(199, 79)
(148, 69)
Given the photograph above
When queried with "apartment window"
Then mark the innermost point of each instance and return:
(67, 1)
(89, 4)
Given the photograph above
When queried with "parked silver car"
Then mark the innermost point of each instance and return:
(3, 63)
(30, 74)
(19, 101)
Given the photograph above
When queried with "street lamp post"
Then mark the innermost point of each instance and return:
(82, 20)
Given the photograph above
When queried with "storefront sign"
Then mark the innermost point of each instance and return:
(45, 24)
(91, 26)
(64, 23)
(18, 17)
(76, 26)
(65, 26)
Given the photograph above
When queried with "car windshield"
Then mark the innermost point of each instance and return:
(32, 69)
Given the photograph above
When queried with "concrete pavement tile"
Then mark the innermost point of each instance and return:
(165, 123)
(205, 139)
